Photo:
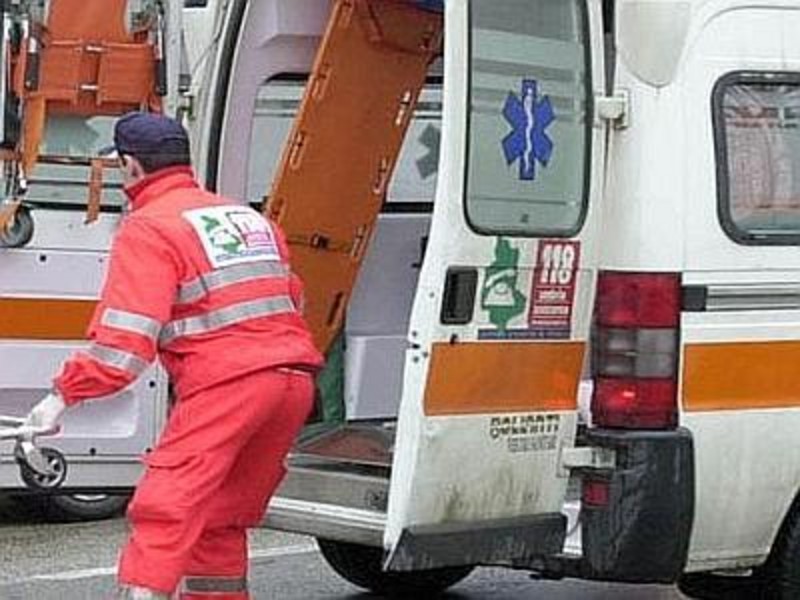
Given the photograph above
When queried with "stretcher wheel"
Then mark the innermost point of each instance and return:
(38, 481)
(20, 231)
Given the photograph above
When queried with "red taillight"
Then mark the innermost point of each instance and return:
(638, 300)
(595, 492)
(635, 350)
(634, 403)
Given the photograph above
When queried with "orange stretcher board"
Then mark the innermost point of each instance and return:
(332, 180)
(88, 64)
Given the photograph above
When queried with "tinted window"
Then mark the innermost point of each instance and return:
(757, 121)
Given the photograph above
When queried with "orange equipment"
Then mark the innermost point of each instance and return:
(76, 57)
(332, 180)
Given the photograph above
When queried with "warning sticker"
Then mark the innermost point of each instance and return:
(526, 433)
(553, 288)
(547, 313)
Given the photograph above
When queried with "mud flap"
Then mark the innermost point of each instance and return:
(642, 534)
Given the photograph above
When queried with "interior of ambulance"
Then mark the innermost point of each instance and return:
(359, 391)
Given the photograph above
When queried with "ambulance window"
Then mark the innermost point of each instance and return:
(757, 130)
(66, 187)
(277, 103)
(529, 118)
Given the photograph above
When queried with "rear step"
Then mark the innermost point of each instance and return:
(337, 488)
(337, 485)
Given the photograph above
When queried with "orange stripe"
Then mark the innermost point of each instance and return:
(742, 375)
(45, 319)
(497, 377)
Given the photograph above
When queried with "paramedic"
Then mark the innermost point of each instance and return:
(204, 283)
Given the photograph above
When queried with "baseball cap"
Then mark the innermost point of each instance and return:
(144, 134)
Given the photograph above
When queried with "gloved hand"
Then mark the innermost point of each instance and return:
(47, 413)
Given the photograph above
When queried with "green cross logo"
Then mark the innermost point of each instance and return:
(221, 236)
(500, 296)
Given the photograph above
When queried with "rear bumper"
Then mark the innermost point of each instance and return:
(519, 542)
(642, 534)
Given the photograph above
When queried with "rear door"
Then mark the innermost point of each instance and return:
(500, 323)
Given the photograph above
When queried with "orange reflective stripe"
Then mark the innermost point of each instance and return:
(45, 318)
(736, 376)
(496, 377)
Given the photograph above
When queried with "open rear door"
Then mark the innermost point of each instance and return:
(501, 319)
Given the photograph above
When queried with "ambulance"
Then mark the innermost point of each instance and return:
(549, 250)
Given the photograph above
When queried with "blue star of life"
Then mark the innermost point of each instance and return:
(530, 117)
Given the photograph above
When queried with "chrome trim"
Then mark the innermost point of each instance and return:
(752, 297)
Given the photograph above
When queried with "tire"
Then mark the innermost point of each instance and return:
(362, 566)
(777, 579)
(83, 507)
(781, 573)
(710, 586)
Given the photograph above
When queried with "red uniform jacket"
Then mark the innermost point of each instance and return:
(202, 282)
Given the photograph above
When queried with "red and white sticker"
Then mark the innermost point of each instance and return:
(553, 288)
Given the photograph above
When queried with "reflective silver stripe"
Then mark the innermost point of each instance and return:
(199, 287)
(118, 358)
(224, 585)
(128, 321)
(223, 317)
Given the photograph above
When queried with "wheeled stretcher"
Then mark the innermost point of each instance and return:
(40, 468)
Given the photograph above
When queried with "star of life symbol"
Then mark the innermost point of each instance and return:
(530, 117)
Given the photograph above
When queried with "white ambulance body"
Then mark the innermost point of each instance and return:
(614, 212)
(48, 289)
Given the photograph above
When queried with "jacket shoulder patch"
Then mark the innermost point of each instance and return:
(232, 235)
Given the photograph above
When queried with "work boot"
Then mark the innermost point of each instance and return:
(133, 592)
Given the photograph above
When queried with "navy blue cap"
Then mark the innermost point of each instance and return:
(150, 134)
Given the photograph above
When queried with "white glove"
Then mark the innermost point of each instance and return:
(46, 414)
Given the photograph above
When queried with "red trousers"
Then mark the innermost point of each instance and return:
(218, 462)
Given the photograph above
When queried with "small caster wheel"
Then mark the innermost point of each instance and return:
(20, 231)
(42, 481)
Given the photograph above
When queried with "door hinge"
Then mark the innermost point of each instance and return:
(613, 109)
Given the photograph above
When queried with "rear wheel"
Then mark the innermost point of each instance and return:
(84, 507)
(362, 566)
(777, 579)
(781, 574)
(710, 586)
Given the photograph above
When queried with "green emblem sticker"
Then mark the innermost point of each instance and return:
(500, 296)
(220, 236)
(232, 234)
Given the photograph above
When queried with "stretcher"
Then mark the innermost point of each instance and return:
(41, 468)
(71, 58)
(327, 206)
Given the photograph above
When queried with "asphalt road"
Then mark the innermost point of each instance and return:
(76, 562)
